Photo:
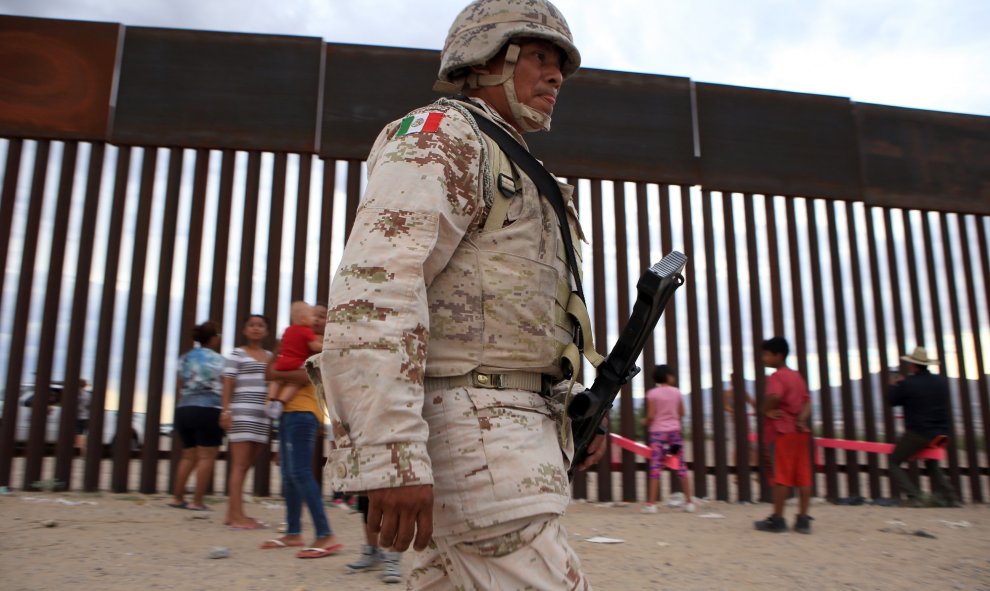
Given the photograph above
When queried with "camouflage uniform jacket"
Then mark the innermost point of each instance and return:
(423, 290)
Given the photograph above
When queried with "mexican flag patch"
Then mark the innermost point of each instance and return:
(425, 122)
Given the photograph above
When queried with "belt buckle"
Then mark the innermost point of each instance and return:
(484, 380)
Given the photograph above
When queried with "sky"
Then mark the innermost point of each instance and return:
(913, 53)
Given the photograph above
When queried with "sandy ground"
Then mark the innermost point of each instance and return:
(112, 542)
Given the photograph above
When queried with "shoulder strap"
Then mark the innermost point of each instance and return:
(548, 187)
(543, 180)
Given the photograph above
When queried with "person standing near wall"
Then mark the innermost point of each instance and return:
(243, 416)
(786, 409)
(925, 399)
(197, 417)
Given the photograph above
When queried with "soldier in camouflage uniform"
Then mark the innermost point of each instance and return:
(449, 319)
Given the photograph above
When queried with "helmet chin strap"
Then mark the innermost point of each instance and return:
(527, 118)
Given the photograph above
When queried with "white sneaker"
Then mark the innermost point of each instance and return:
(649, 508)
(689, 507)
(675, 503)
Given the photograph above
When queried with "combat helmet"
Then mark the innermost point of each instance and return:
(484, 27)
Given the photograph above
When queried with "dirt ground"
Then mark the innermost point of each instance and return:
(110, 542)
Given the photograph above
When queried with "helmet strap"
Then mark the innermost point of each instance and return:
(528, 118)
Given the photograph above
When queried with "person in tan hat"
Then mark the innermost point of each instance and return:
(450, 320)
(927, 415)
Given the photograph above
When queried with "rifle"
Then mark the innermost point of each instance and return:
(587, 409)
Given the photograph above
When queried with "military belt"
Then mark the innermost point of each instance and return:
(528, 381)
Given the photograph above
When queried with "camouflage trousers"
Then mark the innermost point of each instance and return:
(537, 555)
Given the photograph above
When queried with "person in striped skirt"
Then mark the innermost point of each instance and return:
(245, 393)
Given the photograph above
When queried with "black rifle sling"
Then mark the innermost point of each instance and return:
(546, 184)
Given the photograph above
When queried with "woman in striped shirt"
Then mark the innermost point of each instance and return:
(245, 392)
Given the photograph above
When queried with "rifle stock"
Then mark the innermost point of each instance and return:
(588, 408)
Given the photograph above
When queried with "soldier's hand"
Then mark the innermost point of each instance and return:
(596, 449)
(399, 515)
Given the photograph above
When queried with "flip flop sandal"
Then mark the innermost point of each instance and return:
(191, 508)
(277, 544)
(319, 552)
(182, 505)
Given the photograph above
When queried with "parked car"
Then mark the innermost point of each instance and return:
(54, 418)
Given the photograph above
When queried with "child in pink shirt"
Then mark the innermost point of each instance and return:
(664, 410)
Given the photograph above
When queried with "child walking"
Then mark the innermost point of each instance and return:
(664, 411)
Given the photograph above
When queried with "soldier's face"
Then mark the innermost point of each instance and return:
(537, 77)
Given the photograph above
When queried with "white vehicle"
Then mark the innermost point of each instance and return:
(54, 418)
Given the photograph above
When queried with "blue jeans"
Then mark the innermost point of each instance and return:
(297, 443)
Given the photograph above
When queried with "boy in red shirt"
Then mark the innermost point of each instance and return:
(787, 408)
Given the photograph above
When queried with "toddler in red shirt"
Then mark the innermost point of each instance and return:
(298, 343)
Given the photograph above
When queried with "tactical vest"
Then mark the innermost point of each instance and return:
(500, 304)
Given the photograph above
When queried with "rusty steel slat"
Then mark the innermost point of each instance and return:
(893, 267)
(298, 291)
(627, 419)
(699, 452)
(924, 159)
(58, 76)
(756, 315)
(666, 246)
(972, 458)
(353, 195)
(194, 255)
(643, 248)
(715, 349)
(821, 336)
(797, 297)
(982, 382)
(273, 266)
(935, 294)
(800, 334)
(326, 232)
(148, 483)
(132, 331)
(782, 143)
(860, 280)
(208, 89)
(65, 449)
(22, 309)
(841, 325)
(249, 230)
(11, 174)
(773, 250)
(221, 248)
(880, 323)
(913, 265)
(49, 318)
(604, 468)
(263, 461)
(104, 341)
(737, 383)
